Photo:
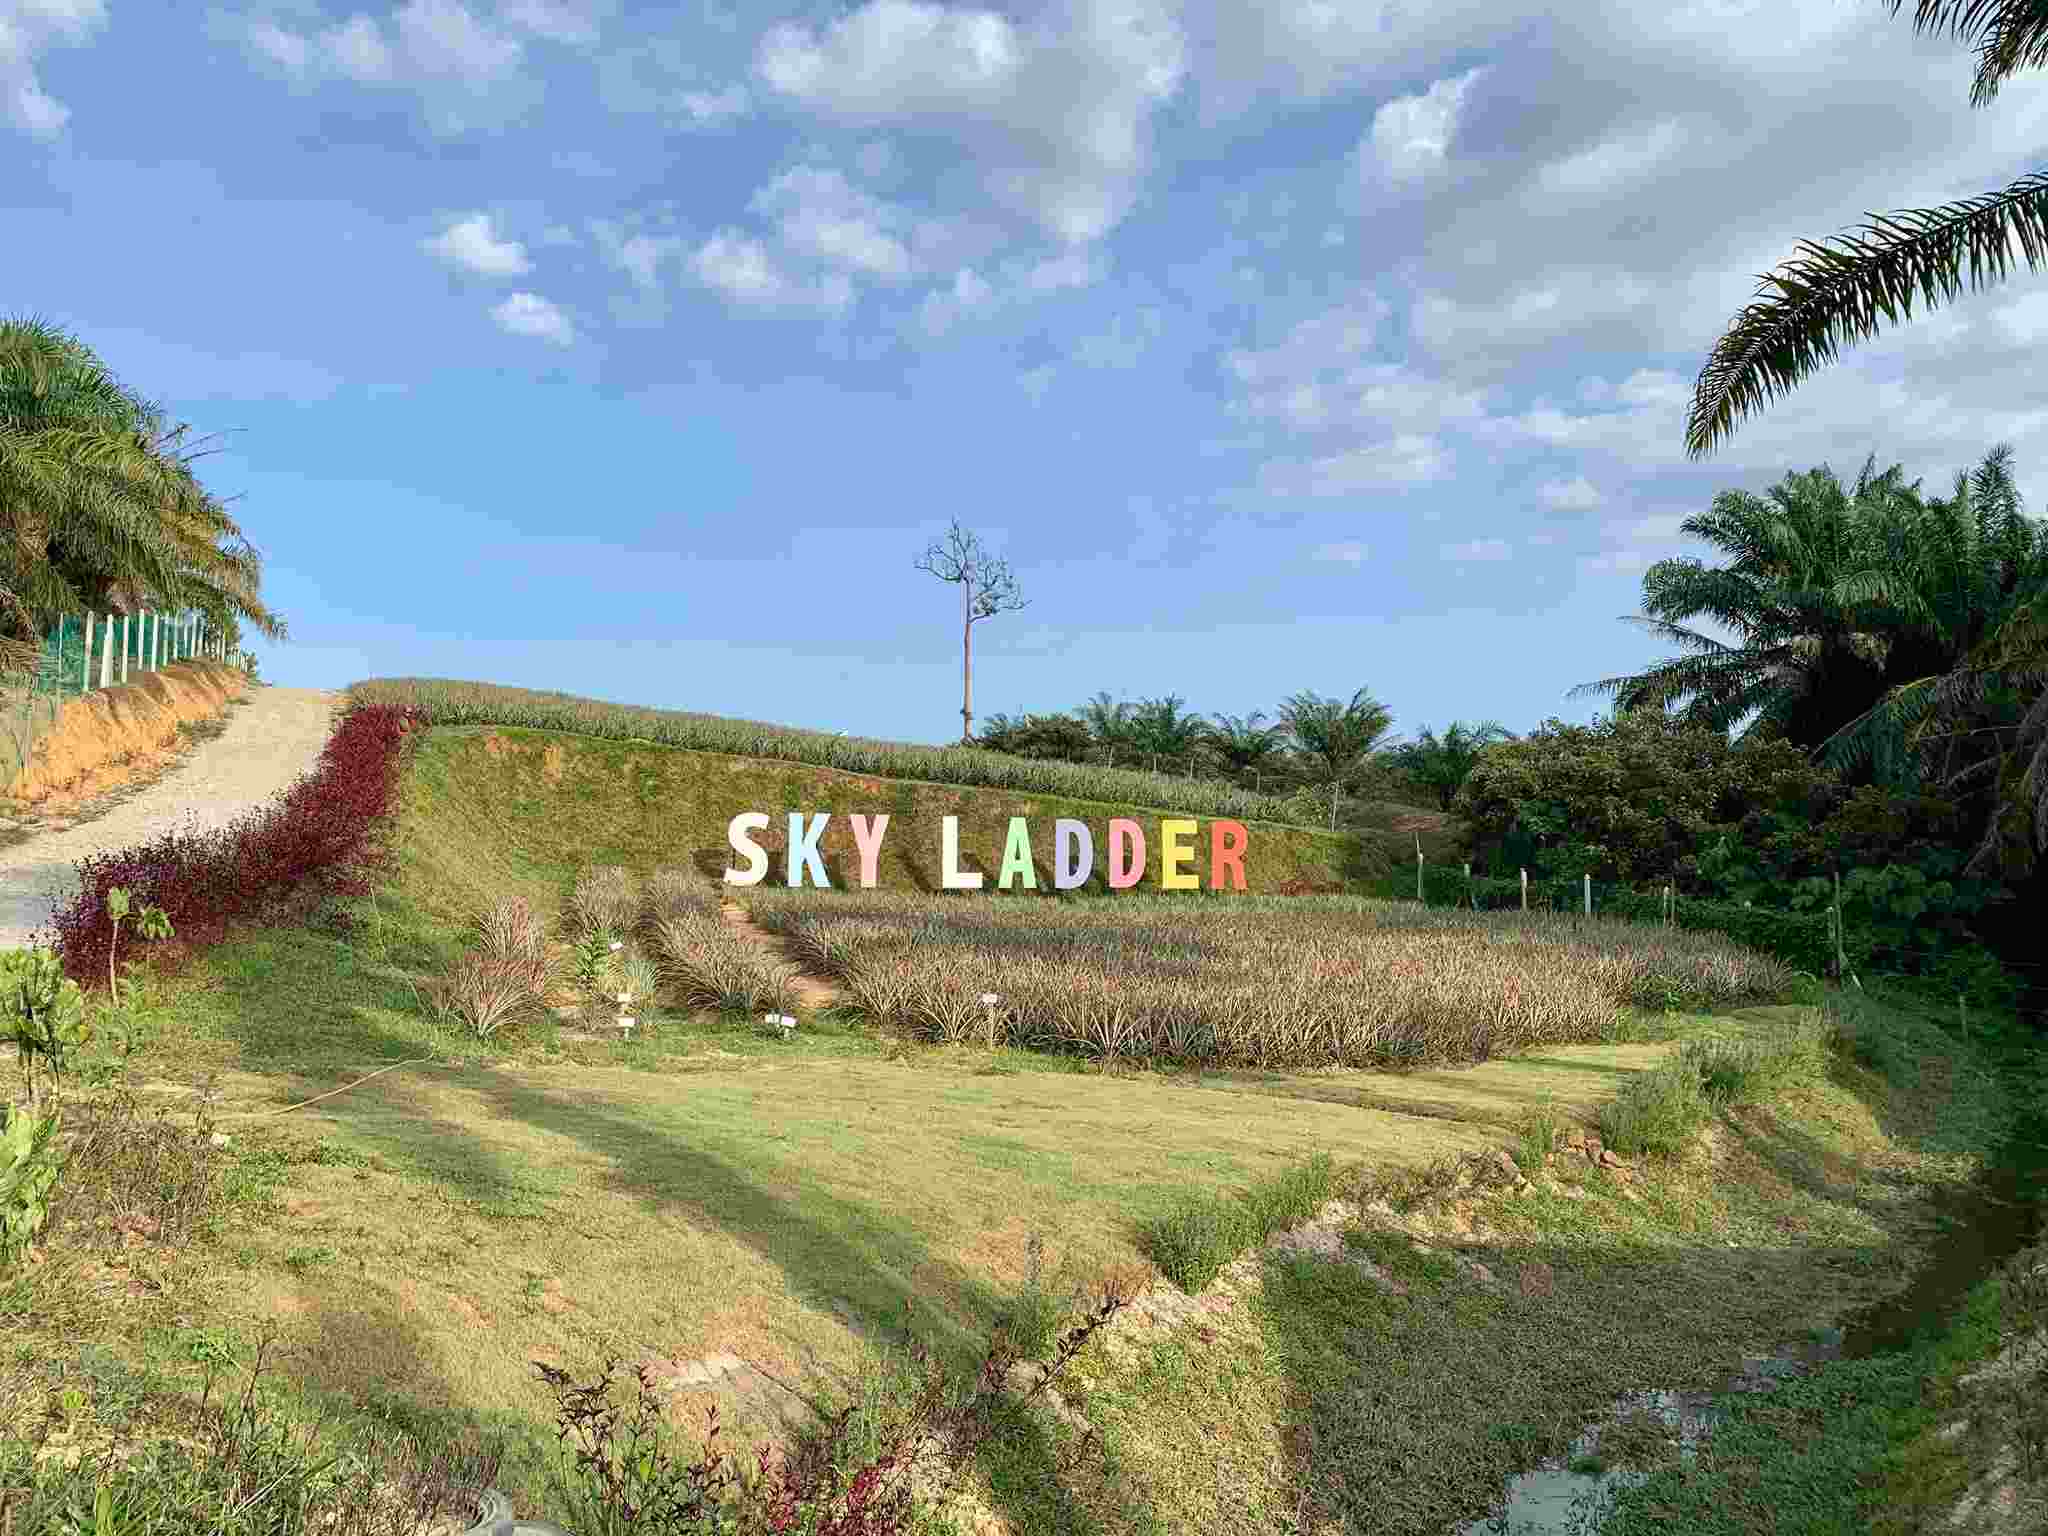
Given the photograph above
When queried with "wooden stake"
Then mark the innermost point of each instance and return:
(1525, 890)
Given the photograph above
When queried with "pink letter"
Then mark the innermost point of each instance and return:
(1126, 854)
(870, 845)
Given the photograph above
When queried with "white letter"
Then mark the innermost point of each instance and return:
(757, 858)
(952, 877)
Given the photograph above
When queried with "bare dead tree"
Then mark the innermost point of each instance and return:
(987, 587)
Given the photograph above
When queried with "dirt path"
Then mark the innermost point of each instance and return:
(811, 991)
(269, 741)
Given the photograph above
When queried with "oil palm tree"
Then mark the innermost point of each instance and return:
(1845, 289)
(1811, 628)
(1335, 735)
(1108, 721)
(1165, 728)
(100, 504)
(1441, 764)
(1246, 745)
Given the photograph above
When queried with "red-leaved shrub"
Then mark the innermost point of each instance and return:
(316, 837)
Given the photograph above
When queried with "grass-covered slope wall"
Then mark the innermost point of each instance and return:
(443, 702)
(494, 811)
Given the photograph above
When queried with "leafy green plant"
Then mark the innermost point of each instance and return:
(29, 1165)
(150, 923)
(591, 955)
(43, 1013)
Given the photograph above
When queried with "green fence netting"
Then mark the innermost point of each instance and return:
(75, 655)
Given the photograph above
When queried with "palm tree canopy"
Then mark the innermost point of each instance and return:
(1333, 732)
(1832, 596)
(1843, 290)
(100, 506)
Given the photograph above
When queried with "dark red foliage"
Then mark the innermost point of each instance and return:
(317, 837)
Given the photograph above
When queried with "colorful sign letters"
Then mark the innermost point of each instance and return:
(1073, 853)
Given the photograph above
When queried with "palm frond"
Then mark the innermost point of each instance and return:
(2010, 35)
(1847, 288)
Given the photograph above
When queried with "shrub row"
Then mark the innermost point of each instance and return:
(318, 836)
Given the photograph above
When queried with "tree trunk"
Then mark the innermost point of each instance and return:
(966, 662)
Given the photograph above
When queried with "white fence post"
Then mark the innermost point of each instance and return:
(85, 681)
(124, 647)
(1525, 890)
(107, 651)
(1589, 894)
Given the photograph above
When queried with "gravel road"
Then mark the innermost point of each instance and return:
(269, 741)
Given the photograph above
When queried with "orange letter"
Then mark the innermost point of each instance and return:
(1226, 851)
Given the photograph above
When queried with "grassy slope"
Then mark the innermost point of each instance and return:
(425, 1236)
(530, 807)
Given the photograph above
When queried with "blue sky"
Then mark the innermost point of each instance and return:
(1279, 344)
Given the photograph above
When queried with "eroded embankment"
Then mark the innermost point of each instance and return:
(117, 735)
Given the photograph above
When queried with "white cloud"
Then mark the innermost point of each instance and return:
(1036, 381)
(1613, 162)
(356, 50)
(744, 270)
(1478, 551)
(1256, 51)
(638, 254)
(943, 308)
(1054, 114)
(28, 28)
(1398, 463)
(472, 245)
(559, 21)
(1412, 135)
(1069, 269)
(289, 51)
(706, 108)
(1577, 494)
(826, 218)
(528, 314)
(1340, 554)
(440, 48)
(893, 58)
(2024, 322)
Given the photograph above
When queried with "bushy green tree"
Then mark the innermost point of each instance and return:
(1631, 797)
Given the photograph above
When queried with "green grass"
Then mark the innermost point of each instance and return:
(1191, 1243)
(1399, 1393)
(418, 1241)
(1826, 1454)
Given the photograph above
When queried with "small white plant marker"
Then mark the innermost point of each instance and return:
(623, 998)
(989, 1001)
(617, 945)
(626, 1023)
